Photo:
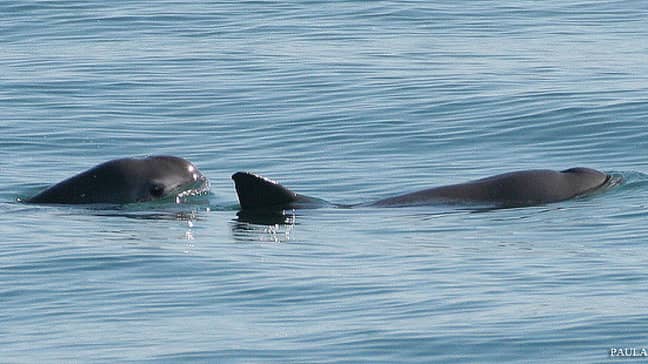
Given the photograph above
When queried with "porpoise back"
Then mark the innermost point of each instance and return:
(521, 188)
(259, 193)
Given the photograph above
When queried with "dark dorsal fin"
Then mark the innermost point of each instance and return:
(257, 192)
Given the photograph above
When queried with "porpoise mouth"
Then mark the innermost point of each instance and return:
(200, 186)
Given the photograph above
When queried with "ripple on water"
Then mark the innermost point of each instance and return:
(350, 102)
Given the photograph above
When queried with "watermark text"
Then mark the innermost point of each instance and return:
(620, 352)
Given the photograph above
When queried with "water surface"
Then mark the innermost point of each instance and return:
(349, 101)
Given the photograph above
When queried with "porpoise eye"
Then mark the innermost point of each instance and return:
(157, 191)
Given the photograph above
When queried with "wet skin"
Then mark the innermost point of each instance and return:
(126, 180)
(521, 188)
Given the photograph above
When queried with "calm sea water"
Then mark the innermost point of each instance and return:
(350, 101)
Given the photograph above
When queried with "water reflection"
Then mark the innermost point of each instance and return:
(188, 216)
(273, 227)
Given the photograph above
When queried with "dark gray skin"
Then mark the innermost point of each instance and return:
(259, 193)
(522, 188)
(126, 180)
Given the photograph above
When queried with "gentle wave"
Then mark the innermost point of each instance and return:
(350, 102)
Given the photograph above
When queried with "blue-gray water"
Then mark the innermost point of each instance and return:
(350, 101)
